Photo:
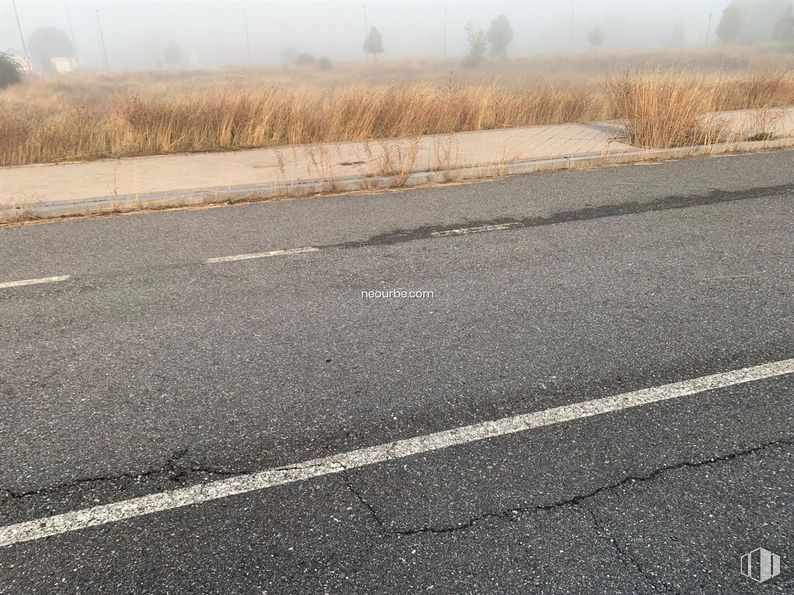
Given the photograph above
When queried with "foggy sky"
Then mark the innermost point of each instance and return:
(212, 33)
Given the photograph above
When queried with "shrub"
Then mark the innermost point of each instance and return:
(305, 59)
(9, 71)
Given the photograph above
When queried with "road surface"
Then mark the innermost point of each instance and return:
(167, 376)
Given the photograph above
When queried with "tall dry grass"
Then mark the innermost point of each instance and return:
(666, 109)
(225, 119)
(89, 117)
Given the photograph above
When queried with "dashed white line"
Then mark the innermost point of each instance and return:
(478, 229)
(262, 254)
(33, 281)
(201, 493)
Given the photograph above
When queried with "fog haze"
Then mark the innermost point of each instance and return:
(212, 34)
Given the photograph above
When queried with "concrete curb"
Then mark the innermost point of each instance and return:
(260, 192)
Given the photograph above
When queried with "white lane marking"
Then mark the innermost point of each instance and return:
(241, 484)
(33, 281)
(263, 254)
(479, 229)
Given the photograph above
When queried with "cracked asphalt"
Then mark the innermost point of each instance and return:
(150, 370)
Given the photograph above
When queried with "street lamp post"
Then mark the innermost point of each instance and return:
(708, 31)
(102, 40)
(71, 31)
(247, 38)
(445, 34)
(366, 30)
(21, 35)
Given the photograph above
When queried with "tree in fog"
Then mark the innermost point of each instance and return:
(172, 55)
(478, 44)
(373, 44)
(784, 28)
(289, 54)
(47, 43)
(305, 59)
(730, 24)
(9, 70)
(500, 34)
(595, 36)
(677, 36)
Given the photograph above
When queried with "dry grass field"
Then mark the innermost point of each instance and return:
(90, 116)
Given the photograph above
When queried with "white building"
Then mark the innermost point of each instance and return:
(63, 65)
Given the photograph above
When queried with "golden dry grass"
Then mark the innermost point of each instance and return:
(89, 117)
(233, 118)
(665, 109)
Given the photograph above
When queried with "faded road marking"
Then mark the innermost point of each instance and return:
(262, 254)
(34, 281)
(241, 484)
(478, 229)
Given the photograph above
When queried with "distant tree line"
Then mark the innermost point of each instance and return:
(290, 56)
(752, 21)
(495, 40)
(741, 21)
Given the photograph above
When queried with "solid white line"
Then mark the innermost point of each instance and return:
(479, 229)
(136, 507)
(33, 281)
(262, 254)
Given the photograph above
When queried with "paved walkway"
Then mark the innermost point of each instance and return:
(165, 178)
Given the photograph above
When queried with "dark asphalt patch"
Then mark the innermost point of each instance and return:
(584, 214)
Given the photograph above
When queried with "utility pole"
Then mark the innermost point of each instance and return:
(366, 30)
(247, 38)
(21, 36)
(708, 31)
(573, 16)
(445, 34)
(71, 31)
(102, 40)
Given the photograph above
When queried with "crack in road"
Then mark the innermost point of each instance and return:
(512, 514)
(174, 472)
(168, 470)
(363, 501)
(629, 561)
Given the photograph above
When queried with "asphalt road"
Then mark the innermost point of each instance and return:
(149, 370)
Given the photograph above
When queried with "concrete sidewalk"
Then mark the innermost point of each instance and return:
(51, 190)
